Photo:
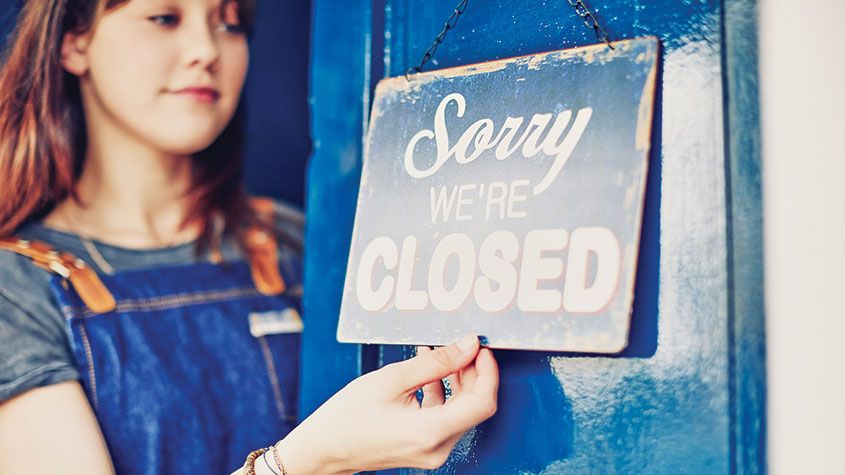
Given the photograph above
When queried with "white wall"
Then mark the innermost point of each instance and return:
(802, 77)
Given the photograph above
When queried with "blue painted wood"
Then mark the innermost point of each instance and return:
(338, 95)
(745, 233)
(691, 398)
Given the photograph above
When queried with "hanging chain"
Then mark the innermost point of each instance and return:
(581, 9)
(590, 21)
(449, 25)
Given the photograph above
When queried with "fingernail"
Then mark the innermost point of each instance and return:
(466, 343)
(483, 340)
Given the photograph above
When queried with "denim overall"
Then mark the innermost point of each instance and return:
(193, 368)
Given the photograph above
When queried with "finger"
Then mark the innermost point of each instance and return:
(486, 374)
(411, 374)
(474, 404)
(432, 394)
(452, 384)
(468, 376)
(433, 391)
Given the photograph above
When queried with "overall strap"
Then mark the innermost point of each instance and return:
(261, 247)
(85, 281)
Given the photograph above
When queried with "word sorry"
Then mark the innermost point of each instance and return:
(500, 281)
(479, 135)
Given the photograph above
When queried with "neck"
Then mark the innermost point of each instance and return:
(133, 197)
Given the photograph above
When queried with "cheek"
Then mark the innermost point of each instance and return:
(130, 70)
(235, 59)
(234, 62)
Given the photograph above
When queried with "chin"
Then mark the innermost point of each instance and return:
(187, 142)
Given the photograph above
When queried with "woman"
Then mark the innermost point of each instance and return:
(148, 307)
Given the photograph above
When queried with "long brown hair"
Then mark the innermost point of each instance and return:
(42, 128)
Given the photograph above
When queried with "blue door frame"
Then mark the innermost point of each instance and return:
(688, 395)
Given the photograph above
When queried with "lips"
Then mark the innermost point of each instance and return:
(199, 93)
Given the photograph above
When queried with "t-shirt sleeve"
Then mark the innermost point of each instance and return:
(33, 347)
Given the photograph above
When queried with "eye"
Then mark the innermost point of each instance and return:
(233, 28)
(165, 20)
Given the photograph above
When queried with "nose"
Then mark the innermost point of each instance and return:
(201, 47)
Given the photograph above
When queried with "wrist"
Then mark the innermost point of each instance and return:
(264, 465)
(300, 457)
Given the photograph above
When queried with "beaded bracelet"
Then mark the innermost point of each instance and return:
(249, 464)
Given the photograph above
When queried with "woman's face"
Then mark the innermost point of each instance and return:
(168, 73)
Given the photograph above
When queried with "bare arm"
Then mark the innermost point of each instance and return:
(52, 429)
(375, 422)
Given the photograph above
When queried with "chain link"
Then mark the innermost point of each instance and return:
(449, 25)
(590, 21)
(581, 9)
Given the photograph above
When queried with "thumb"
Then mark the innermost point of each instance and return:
(431, 366)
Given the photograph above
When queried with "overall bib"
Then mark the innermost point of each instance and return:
(188, 368)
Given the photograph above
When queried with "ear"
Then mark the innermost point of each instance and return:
(75, 53)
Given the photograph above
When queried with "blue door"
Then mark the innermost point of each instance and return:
(688, 394)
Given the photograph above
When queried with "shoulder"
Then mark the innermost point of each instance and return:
(21, 281)
(33, 345)
(27, 287)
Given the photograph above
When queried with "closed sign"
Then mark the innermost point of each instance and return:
(504, 199)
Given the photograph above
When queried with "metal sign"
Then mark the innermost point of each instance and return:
(504, 199)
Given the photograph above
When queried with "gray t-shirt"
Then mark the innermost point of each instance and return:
(34, 346)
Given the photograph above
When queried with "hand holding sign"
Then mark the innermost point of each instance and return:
(375, 422)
